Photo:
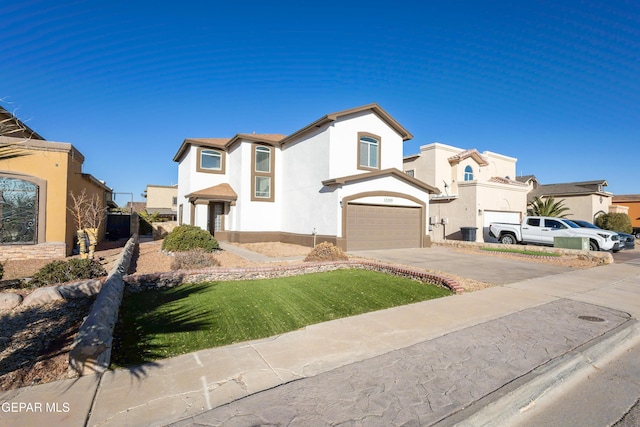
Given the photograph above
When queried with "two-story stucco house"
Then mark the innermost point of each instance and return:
(338, 179)
(476, 189)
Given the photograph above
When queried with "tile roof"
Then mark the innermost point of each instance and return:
(508, 181)
(474, 153)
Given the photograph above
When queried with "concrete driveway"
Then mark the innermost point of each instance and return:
(488, 268)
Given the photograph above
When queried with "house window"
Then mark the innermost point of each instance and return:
(18, 211)
(410, 173)
(263, 162)
(468, 173)
(368, 151)
(210, 160)
(263, 187)
(174, 201)
(262, 173)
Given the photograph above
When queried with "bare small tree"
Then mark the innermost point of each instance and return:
(88, 213)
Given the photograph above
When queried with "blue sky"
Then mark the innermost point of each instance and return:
(555, 84)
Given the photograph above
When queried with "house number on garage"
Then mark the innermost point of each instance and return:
(388, 200)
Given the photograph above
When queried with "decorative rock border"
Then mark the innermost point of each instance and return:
(138, 283)
(49, 294)
(91, 350)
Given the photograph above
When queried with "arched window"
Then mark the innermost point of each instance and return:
(18, 211)
(468, 173)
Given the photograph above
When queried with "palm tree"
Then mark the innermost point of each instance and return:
(547, 207)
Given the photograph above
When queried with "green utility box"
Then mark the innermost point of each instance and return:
(581, 243)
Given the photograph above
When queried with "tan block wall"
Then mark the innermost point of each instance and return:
(53, 250)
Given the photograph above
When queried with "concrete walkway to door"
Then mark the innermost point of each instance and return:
(477, 266)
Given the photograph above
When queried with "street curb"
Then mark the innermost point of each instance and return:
(502, 406)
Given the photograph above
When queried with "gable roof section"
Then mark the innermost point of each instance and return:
(526, 178)
(225, 143)
(265, 138)
(201, 142)
(382, 173)
(329, 118)
(583, 188)
(473, 153)
(220, 192)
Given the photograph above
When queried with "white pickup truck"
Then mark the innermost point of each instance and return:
(540, 230)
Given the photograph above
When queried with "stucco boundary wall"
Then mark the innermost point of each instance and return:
(143, 282)
(597, 257)
(52, 250)
(91, 351)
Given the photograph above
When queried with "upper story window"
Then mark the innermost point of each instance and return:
(368, 151)
(468, 173)
(410, 173)
(263, 159)
(210, 160)
(262, 174)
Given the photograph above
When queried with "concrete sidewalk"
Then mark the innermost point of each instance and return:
(441, 361)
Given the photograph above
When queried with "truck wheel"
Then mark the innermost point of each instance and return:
(507, 239)
(593, 245)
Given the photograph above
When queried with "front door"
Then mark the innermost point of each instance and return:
(216, 217)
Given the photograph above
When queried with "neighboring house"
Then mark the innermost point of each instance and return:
(632, 203)
(475, 189)
(338, 179)
(35, 196)
(162, 200)
(585, 200)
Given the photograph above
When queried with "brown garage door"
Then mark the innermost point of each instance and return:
(383, 227)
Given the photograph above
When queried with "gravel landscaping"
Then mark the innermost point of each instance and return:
(35, 341)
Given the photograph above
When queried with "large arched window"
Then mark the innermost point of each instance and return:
(18, 211)
(468, 173)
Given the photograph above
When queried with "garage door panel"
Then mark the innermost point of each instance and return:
(383, 227)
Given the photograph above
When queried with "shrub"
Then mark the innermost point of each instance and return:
(615, 222)
(66, 271)
(326, 251)
(188, 237)
(193, 259)
(145, 219)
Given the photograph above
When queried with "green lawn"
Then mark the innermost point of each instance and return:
(163, 323)
(521, 251)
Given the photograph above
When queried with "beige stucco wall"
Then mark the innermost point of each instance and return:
(585, 207)
(161, 196)
(469, 199)
(433, 167)
(49, 162)
(60, 165)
